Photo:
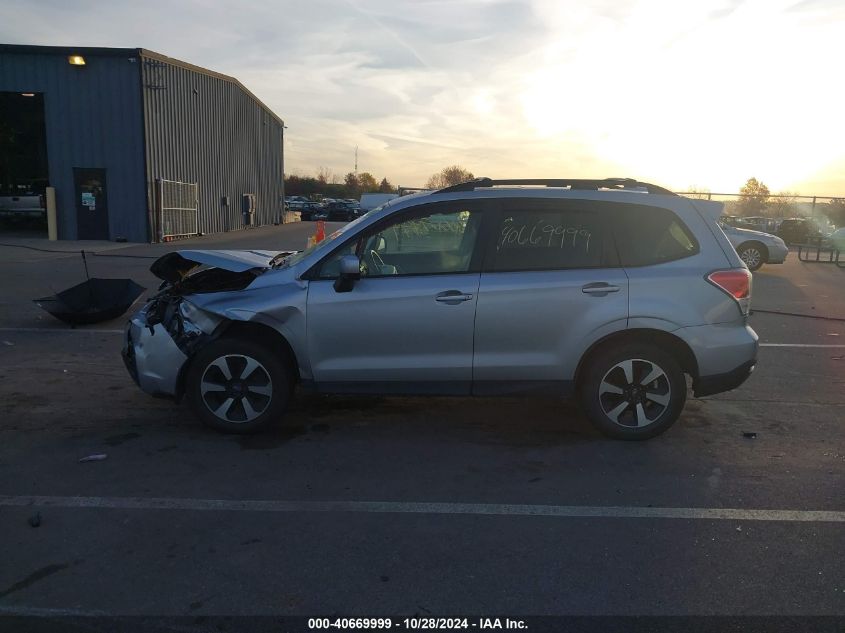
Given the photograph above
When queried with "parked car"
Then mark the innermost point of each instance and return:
(309, 210)
(762, 224)
(611, 290)
(341, 210)
(837, 240)
(296, 202)
(756, 248)
(22, 207)
(798, 231)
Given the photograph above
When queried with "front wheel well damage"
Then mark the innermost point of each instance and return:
(256, 332)
(679, 350)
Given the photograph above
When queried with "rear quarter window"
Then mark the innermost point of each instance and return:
(651, 235)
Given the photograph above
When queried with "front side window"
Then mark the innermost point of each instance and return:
(431, 244)
(547, 238)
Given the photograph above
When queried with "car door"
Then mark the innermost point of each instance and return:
(406, 326)
(550, 282)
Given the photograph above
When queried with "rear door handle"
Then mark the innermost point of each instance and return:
(452, 297)
(599, 288)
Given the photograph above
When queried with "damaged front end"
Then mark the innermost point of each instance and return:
(162, 336)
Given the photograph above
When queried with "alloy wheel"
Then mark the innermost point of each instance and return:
(236, 388)
(635, 393)
(752, 257)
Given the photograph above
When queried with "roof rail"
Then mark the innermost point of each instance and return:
(590, 185)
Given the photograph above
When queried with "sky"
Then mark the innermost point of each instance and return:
(681, 93)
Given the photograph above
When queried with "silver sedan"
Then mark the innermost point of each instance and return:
(756, 248)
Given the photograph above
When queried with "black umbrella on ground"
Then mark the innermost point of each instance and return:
(93, 301)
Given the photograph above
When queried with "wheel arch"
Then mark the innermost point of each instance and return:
(256, 332)
(667, 341)
(764, 250)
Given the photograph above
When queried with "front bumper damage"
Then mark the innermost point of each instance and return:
(152, 357)
(161, 337)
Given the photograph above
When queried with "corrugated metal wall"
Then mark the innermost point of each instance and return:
(92, 119)
(206, 129)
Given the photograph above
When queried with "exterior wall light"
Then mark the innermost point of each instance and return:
(76, 60)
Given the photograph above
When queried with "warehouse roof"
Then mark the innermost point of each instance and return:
(94, 51)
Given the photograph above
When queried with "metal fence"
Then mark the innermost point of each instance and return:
(776, 206)
(177, 203)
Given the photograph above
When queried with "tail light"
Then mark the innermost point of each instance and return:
(736, 283)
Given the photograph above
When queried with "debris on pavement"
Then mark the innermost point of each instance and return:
(97, 457)
(34, 520)
(749, 434)
(8, 343)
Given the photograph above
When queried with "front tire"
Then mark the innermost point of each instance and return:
(634, 391)
(238, 386)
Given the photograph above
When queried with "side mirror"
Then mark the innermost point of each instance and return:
(350, 272)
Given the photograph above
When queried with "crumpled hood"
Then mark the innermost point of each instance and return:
(173, 267)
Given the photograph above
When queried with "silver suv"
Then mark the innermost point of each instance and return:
(613, 290)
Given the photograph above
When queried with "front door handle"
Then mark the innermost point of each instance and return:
(452, 297)
(599, 288)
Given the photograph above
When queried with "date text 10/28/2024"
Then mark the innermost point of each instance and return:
(424, 624)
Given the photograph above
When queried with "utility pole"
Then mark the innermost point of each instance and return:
(356, 160)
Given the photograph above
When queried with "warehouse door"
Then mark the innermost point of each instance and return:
(23, 164)
(92, 207)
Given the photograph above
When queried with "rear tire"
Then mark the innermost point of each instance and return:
(753, 255)
(238, 386)
(633, 391)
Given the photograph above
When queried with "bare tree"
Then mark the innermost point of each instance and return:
(326, 176)
(783, 205)
(699, 193)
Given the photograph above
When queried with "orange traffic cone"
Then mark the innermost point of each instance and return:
(320, 235)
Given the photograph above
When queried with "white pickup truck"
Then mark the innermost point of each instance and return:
(23, 206)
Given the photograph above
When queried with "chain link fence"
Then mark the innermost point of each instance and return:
(826, 212)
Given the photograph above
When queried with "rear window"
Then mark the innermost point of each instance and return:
(547, 238)
(651, 235)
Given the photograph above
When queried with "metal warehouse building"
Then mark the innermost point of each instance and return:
(137, 145)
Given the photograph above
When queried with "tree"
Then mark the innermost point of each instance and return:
(326, 176)
(351, 182)
(836, 214)
(699, 193)
(448, 176)
(367, 182)
(783, 205)
(326, 185)
(753, 197)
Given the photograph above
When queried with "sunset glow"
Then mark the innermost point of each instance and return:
(710, 93)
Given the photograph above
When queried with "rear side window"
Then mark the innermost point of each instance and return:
(651, 235)
(547, 237)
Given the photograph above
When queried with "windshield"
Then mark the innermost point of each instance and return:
(299, 256)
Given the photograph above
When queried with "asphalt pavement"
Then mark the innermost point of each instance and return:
(403, 506)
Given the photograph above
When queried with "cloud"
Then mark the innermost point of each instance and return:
(705, 92)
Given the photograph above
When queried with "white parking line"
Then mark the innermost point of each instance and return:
(410, 507)
(60, 331)
(826, 346)
(42, 612)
